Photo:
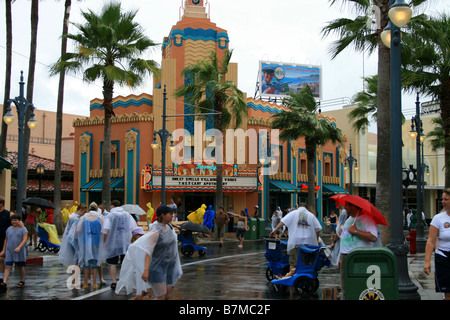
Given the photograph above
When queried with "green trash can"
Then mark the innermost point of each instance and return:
(371, 274)
(251, 233)
(260, 228)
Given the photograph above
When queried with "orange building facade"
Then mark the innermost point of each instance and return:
(190, 174)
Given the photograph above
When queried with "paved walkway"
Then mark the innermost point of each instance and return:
(425, 283)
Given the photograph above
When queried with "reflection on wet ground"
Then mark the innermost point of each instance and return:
(224, 273)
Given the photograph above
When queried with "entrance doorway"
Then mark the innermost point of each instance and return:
(193, 201)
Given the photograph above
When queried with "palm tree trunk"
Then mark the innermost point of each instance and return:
(219, 155)
(311, 157)
(444, 97)
(383, 192)
(30, 86)
(108, 87)
(59, 115)
(7, 74)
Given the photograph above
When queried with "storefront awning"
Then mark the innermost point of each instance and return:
(87, 187)
(331, 189)
(283, 186)
(96, 185)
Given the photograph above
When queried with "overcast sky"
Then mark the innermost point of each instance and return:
(282, 31)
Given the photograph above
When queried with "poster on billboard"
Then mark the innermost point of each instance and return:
(278, 79)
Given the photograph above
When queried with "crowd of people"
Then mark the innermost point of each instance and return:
(149, 260)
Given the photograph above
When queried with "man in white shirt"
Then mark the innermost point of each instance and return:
(303, 229)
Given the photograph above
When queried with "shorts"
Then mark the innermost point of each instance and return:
(442, 272)
(333, 227)
(220, 232)
(31, 228)
(293, 257)
(91, 264)
(240, 233)
(115, 260)
(18, 264)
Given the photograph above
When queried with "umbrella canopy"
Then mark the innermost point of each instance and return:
(133, 209)
(39, 202)
(196, 227)
(364, 205)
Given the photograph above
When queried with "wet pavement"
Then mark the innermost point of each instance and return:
(224, 273)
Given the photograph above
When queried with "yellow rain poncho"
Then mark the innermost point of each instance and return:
(65, 214)
(150, 212)
(197, 215)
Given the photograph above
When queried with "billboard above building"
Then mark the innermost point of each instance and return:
(278, 79)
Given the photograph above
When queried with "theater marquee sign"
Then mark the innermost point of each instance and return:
(200, 177)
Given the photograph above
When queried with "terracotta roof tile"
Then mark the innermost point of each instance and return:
(34, 160)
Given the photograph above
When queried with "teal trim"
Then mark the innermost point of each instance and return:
(124, 104)
(85, 167)
(283, 186)
(319, 192)
(197, 34)
(117, 184)
(114, 165)
(330, 189)
(131, 172)
(332, 161)
(87, 187)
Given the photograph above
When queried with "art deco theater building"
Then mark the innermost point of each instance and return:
(137, 169)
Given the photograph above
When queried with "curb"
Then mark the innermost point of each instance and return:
(41, 259)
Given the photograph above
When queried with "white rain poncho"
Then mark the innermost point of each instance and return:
(90, 239)
(68, 252)
(118, 227)
(160, 243)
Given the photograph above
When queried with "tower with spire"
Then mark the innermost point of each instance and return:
(191, 39)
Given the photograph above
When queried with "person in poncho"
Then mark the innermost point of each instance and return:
(68, 253)
(90, 240)
(152, 261)
(117, 231)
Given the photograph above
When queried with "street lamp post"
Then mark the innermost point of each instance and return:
(22, 106)
(40, 170)
(272, 161)
(417, 133)
(407, 289)
(163, 135)
(349, 163)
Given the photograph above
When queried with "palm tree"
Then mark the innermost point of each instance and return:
(303, 121)
(109, 45)
(436, 135)
(367, 105)
(210, 92)
(426, 68)
(358, 34)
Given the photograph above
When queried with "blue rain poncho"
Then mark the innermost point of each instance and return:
(208, 218)
(90, 239)
(118, 227)
(68, 252)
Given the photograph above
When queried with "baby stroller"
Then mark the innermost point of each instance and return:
(188, 246)
(311, 259)
(48, 238)
(277, 257)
